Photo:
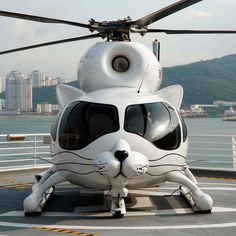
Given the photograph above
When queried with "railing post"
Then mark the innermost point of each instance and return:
(35, 150)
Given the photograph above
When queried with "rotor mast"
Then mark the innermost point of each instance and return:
(112, 30)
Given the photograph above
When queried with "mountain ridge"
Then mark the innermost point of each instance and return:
(204, 81)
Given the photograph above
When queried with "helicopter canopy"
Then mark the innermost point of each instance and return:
(83, 122)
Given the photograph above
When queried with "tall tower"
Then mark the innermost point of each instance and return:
(38, 78)
(1, 100)
(18, 92)
(1, 84)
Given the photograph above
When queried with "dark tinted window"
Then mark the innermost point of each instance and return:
(83, 122)
(156, 122)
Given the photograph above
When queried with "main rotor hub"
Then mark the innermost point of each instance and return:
(112, 30)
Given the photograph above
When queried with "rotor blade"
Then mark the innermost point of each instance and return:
(164, 12)
(42, 19)
(51, 43)
(190, 31)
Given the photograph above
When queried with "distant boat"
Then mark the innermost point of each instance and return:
(229, 115)
(229, 118)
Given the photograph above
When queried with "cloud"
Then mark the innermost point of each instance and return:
(198, 14)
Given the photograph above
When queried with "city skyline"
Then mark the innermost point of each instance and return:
(63, 59)
(19, 92)
(39, 79)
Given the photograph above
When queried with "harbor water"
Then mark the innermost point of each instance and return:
(210, 139)
(42, 124)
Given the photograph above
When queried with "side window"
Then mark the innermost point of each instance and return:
(55, 126)
(156, 122)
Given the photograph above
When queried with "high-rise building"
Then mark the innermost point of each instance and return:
(38, 79)
(18, 92)
(61, 80)
(1, 84)
(48, 81)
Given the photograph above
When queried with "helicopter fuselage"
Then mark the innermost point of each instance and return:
(90, 127)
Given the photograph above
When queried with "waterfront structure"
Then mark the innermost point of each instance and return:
(47, 108)
(224, 103)
(44, 107)
(194, 113)
(18, 92)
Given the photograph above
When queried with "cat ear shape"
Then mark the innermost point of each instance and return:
(65, 94)
(172, 94)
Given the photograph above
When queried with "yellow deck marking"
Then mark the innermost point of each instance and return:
(65, 231)
(216, 178)
(17, 186)
(7, 181)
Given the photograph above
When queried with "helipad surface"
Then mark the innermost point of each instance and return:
(154, 211)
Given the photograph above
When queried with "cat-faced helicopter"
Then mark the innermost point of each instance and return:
(119, 131)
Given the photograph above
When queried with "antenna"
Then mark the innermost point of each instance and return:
(142, 79)
(156, 47)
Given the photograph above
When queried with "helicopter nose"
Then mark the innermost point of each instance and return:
(121, 155)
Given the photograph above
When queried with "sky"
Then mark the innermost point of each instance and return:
(62, 60)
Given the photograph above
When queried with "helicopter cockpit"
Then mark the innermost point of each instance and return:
(83, 122)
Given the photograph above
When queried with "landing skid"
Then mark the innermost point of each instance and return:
(41, 192)
(200, 201)
(189, 197)
(44, 200)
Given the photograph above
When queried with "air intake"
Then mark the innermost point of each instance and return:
(120, 64)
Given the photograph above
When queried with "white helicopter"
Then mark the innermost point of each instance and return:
(119, 131)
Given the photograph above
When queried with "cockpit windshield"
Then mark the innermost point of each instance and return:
(83, 122)
(156, 122)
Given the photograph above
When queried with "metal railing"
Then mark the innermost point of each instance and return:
(31, 151)
(211, 151)
(24, 151)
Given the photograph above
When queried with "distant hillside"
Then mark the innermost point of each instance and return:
(203, 82)
(48, 94)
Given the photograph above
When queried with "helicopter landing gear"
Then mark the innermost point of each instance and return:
(200, 201)
(41, 191)
(118, 207)
(118, 193)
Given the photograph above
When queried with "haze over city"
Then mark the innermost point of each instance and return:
(62, 60)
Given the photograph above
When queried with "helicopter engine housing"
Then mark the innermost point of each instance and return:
(119, 64)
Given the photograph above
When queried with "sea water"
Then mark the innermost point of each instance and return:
(217, 147)
(25, 124)
(42, 124)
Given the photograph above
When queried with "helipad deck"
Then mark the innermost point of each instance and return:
(153, 211)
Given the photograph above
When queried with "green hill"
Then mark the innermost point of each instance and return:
(48, 94)
(203, 82)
